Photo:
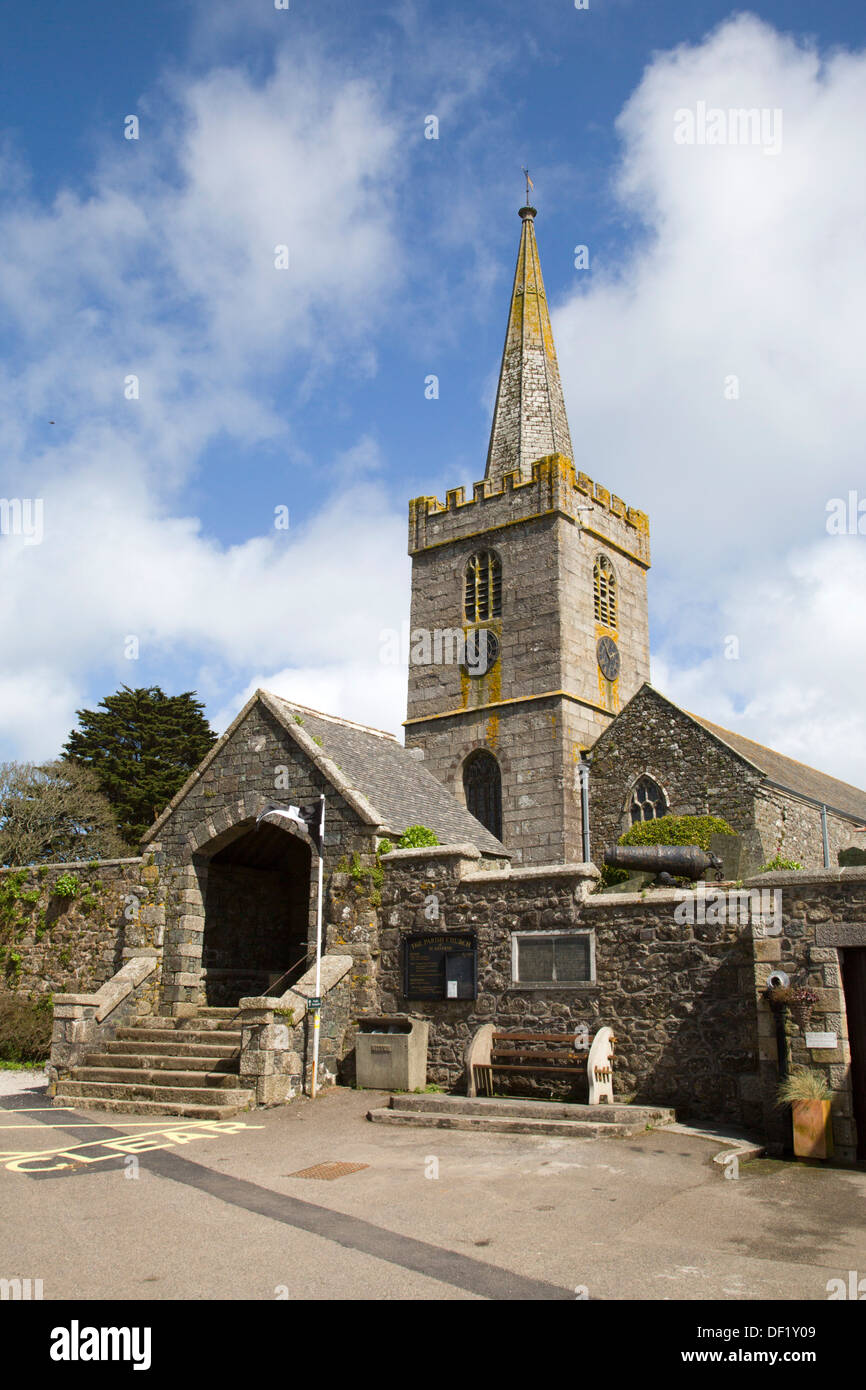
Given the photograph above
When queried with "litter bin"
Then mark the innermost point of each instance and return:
(391, 1053)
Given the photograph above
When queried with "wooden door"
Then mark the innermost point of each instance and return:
(854, 981)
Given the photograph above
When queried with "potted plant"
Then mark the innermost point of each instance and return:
(807, 1092)
(801, 1006)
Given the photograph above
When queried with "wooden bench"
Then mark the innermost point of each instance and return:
(560, 1055)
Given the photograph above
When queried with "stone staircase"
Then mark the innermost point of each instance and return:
(164, 1066)
(515, 1116)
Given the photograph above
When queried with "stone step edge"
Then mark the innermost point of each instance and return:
(199, 1036)
(160, 1061)
(506, 1124)
(135, 1047)
(518, 1106)
(139, 1076)
(151, 1107)
(126, 1090)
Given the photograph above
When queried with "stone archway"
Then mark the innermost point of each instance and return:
(227, 844)
(256, 898)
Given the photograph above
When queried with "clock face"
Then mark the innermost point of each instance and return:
(482, 651)
(608, 658)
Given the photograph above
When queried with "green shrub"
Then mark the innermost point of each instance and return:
(677, 830)
(25, 1028)
(67, 886)
(417, 837)
(779, 863)
(385, 847)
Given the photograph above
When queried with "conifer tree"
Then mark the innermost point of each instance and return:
(142, 745)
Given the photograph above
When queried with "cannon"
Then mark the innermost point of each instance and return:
(666, 861)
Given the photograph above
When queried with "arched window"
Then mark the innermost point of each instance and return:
(604, 589)
(483, 587)
(648, 801)
(482, 784)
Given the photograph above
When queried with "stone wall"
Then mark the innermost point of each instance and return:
(824, 913)
(670, 992)
(56, 943)
(791, 829)
(684, 989)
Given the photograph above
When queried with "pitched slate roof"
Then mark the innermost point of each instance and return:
(776, 767)
(398, 788)
(796, 777)
(387, 787)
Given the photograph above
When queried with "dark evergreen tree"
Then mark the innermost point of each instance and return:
(142, 745)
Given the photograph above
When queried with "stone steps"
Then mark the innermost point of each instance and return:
(147, 1107)
(166, 1049)
(164, 1066)
(432, 1102)
(492, 1115)
(174, 1036)
(132, 1091)
(144, 1076)
(159, 1061)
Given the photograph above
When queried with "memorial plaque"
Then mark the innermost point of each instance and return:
(440, 965)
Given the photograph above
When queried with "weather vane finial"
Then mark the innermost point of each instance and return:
(529, 185)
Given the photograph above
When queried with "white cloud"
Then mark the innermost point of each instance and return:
(166, 270)
(748, 265)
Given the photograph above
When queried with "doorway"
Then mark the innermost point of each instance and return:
(257, 915)
(854, 984)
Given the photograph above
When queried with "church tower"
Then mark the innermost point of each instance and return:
(529, 625)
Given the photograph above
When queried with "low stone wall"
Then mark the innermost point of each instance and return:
(73, 940)
(685, 993)
(492, 904)
(277, 1036)
(85, 1022)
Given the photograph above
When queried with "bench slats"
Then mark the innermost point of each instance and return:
(558, 1071)
(509, 1055)
(535, 1037)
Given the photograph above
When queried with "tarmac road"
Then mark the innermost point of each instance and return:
(217, 1213)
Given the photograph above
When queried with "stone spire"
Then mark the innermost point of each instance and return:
(529, 420)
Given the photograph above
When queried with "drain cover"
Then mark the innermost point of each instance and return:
(327, 1172)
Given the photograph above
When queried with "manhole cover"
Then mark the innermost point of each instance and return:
(329, 1171)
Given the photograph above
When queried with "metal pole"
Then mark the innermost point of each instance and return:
(826, 837)
(317, 1012)
(583, 769)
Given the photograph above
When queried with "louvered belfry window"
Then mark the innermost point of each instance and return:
(604, 584)
(483, 594)
(482, 783)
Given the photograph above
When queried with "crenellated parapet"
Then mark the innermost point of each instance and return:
(553, 487)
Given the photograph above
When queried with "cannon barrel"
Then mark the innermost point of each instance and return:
(682, 861)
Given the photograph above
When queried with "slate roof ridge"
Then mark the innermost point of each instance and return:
(332, 718)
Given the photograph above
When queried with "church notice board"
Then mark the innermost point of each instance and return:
(440, 965)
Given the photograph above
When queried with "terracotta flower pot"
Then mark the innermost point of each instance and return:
(813, 1128)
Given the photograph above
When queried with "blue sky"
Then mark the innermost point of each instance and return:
(305, 388)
